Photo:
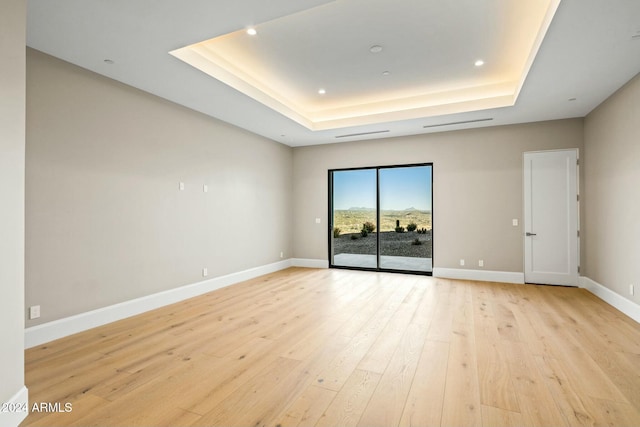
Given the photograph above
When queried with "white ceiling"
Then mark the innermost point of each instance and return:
(589, 51)
(426, 48)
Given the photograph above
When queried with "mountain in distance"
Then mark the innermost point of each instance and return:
(361, 209)
(412, 209)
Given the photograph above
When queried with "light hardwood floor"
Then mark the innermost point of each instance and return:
(346, 348)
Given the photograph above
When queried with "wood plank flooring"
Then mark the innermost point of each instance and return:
(306, 347)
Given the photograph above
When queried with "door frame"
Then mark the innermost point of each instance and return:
(330, 219)
(527, 226)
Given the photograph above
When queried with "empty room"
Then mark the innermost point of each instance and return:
(320, 213)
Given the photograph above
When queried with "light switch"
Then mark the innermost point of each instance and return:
(181, 186)
(514, 222)
(317, 220)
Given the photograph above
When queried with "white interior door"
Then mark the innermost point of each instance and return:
(551, 217)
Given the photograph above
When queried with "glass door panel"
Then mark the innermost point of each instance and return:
(353, 240)
(405, 218)
(381, 218)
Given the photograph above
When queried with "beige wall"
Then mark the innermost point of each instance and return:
(612, 173)
(477, 183)
(12, 141)
(106, 222)
(105, 219)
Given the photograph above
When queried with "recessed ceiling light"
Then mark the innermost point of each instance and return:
(252, 31)
(479, 63)
(375, 49)
(322, 91)
(386, 73)
(109, 61)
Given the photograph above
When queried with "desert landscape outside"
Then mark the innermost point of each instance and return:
(405, 217)
(351, 220)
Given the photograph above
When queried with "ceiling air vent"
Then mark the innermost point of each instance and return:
(457, 123)
(362, 134)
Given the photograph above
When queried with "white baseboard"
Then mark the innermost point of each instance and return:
(18, 407)
(56, 329)
(614, 299)
(481, 275)
(310, 263)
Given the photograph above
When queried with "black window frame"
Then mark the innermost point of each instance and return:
(330, 219)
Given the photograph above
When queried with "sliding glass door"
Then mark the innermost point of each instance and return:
(354, 218)
(405, 218)
(381, 218)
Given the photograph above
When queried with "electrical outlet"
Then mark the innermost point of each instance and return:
(181, 186)
(481, 263)
(281, 254)
(34, 312)
(631, 290)
(205, 188)
(514, 221)
(461, 262)
(205, 272)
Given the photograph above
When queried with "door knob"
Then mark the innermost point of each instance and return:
(530, 234)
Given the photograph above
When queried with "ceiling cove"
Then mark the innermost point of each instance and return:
(360, 62)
